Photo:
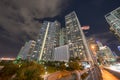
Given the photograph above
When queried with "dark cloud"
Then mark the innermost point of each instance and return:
(17, 16)
(17, 22)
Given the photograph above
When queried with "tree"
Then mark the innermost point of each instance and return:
(30, 71)
(8, 71)
(62, 67)
(74, 59)
(74, 65)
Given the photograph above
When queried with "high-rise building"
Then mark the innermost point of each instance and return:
(113, 19)
(56, 43)
(62, 37)
(100, 45)
(107, 54)
(26, 50)
(48, 39)
(75, 38)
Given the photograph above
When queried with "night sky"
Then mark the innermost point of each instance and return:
(20, 20)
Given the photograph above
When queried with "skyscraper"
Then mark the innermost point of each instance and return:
(26, 50)
(107, 54)
(113, 19)
(52, 39)
(62, 37)
(75, 38)
(48, 39)
(99, 44)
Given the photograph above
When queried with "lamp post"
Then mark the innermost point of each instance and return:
(93, 48)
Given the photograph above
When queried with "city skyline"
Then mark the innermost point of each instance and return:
(23, 22)
(52, 39)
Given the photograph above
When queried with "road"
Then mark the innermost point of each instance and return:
(65, 75)
(107, 75)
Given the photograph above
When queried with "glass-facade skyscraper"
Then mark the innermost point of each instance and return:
(62, 36)
(48, 39)
(55, 42)
(113, 19)
(75, 38)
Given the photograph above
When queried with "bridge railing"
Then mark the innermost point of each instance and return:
(92, 73)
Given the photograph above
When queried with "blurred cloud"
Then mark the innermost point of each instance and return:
(17, 16)
(17, 22)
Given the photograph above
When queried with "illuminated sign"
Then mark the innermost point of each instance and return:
(85, 27)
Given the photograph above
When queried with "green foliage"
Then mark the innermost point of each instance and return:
(83, 76)
(29, 71)
(74, 59)
(4, 63)
(74, 66)
(8, 71)
(62, 67)
(51, 69)
(53, 66)
(24, 70)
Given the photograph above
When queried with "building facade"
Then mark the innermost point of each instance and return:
(113, 19)
(62, 37)
(26, 50)
(48, 39)
(105, 54)
(62, 53)
(75, 38)
(56, 43)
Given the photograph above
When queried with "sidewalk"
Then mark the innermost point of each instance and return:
(107, 75)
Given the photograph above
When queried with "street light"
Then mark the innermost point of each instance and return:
(46, 72)
(93, 49)
(92, 46)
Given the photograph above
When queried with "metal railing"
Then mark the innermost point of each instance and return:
(92, 73)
